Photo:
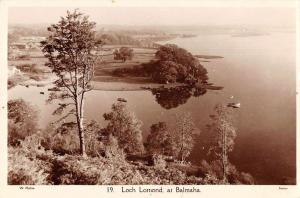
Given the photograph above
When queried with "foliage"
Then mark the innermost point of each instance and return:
(159, 162)
(124, 53)
(93, 145)
(69, 49)
(124, 125)
(113, 38)
(22, 121)
(112, 149)
(159, 140)
(223, 134)
(178, 144)
(177, 65)
(61, 139)
(25, 168)
(31, 164)
(183, 136)
(215, 169)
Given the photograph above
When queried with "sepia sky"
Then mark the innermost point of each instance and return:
(272, 16)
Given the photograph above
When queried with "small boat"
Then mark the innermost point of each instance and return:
(122, 100)
(54, 89)
(234, 105)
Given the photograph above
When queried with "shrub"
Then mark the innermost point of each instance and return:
(113, 151)
(214, 170)
(62, 139)
(93, 145)
(24, 166)
(159, 162)
(22, 121)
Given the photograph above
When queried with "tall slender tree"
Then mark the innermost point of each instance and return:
(183, 135)
(224, 134)
(69, 49)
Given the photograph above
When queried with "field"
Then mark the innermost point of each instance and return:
(104, 78)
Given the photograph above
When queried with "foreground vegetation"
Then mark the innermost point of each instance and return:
(52, 156)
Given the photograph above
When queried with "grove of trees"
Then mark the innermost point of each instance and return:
(175, 64)
(177, 142)
(124, 53)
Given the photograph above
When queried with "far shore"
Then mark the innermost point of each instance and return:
(121, 84)
(126, 86)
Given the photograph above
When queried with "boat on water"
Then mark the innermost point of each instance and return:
(122, 100)
(234, 105)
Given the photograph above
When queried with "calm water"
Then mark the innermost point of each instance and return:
(258, 71)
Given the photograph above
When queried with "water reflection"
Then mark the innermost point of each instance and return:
(172, 97)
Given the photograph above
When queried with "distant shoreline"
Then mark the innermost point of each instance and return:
(125, 86)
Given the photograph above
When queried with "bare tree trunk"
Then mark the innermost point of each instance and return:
(224, 158)
(81, 137)
(79, 120)
(80, 129)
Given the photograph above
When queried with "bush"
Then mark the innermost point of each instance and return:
(113, 151)
(24, 167)
(214, 170)
(61, 139)
(22, 121)
(159, 162)
(92, 134)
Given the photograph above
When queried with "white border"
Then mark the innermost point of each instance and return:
(100, 191)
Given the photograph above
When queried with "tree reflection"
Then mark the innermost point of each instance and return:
(172, 97)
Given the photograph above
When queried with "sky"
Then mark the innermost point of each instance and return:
(272, 16)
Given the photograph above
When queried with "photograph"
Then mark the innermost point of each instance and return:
(151, 95)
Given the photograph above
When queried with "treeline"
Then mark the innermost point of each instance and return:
(110, 37)
(116, 153)
(113, 38)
